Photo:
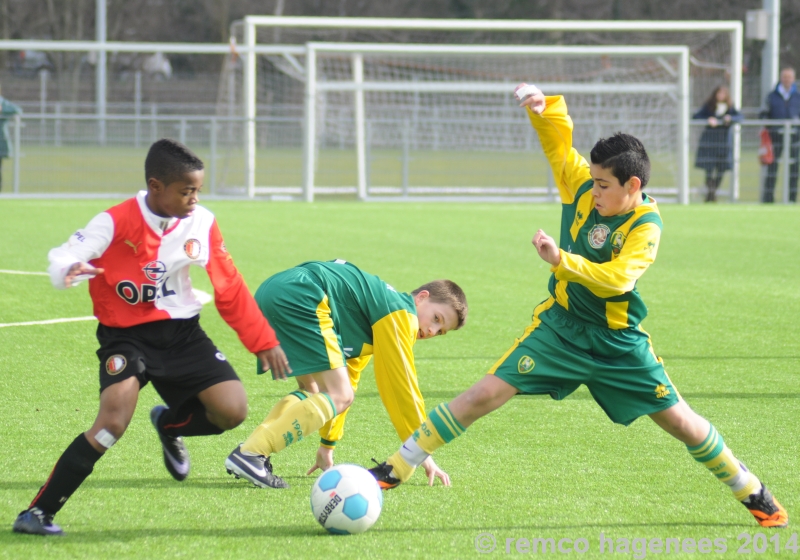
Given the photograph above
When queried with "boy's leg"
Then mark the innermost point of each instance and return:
(444, 423)
(117, 404)
(203, 394)
(706, 446)
(305, 416)
(306, 386)
(292, 422)
(225, 404)
(539, 362)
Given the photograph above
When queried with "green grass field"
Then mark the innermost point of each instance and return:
(723, 298)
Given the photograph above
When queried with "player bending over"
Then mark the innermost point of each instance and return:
(137, 257)
(332, 318)
(588, 331)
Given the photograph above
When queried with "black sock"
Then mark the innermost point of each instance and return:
(188, 420)
(72, 468)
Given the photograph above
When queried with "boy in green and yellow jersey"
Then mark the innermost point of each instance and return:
(588, 331)
(331, 318)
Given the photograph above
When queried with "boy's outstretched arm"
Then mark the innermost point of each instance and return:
(548, 116)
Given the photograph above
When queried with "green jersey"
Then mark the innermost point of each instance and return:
(602, 257)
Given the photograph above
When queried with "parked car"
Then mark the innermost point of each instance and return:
(30, 63)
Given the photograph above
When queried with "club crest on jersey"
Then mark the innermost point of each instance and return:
(598, 235)
(192, 248)
(525, 364)
(115, 364)
(154, 270)
(617, 241)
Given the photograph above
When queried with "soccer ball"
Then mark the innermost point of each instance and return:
(346, 499)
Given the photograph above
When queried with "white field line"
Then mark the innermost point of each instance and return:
(49, 321)
(23, 272)
(202, 296)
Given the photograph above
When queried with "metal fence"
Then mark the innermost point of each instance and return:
(752, 174)
(60, 154)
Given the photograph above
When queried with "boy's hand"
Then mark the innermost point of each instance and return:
(80, 271)
(324, 459)
(547, 248)
(530, 96)
(275, 360)
(432, 471)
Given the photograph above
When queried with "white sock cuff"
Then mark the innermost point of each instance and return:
(412, 453)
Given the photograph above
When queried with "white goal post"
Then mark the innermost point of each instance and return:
(324, 26)
(356, 53)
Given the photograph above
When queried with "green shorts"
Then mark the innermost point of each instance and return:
(559, 352)
(298, 309)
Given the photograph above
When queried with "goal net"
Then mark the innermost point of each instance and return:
(438, 119)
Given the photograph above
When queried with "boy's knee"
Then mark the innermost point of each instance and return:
(232, 418)
(480, 396)
(343, 399)
(683, 423)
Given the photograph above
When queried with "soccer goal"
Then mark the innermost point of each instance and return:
(447, 114)
(432, 115)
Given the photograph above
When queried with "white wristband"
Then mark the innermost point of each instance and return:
(526, 91)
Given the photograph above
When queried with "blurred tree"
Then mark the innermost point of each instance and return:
(209, 20)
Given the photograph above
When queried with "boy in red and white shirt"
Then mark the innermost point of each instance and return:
(136, 256)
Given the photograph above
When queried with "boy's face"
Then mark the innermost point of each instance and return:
(178, 199)
(611, 198)
(434, 318)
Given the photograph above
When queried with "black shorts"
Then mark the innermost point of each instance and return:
(176, 355)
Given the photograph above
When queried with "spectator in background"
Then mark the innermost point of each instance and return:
(782, 103)
(7, 109)
(714, 153)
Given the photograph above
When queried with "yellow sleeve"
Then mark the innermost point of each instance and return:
(333, 430)
(393, 340)
(619, 275)
(554, 127)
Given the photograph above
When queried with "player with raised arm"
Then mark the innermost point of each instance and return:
(332, 318)
(588, 331)
(136, 256)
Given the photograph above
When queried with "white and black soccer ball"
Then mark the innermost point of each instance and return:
(346, 499)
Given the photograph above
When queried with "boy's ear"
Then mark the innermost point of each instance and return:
(154, 184)
(634, 184)
(422, 295)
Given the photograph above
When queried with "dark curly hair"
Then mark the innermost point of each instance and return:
(168, 160)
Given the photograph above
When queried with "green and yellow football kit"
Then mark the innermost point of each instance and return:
(588, 331)
(329, 315)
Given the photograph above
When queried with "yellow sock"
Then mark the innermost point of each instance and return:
(283, 405)
(400, 469)
(301, 418)
(718, 459)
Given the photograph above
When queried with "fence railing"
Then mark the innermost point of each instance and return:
(756, 181)
(56, 153)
